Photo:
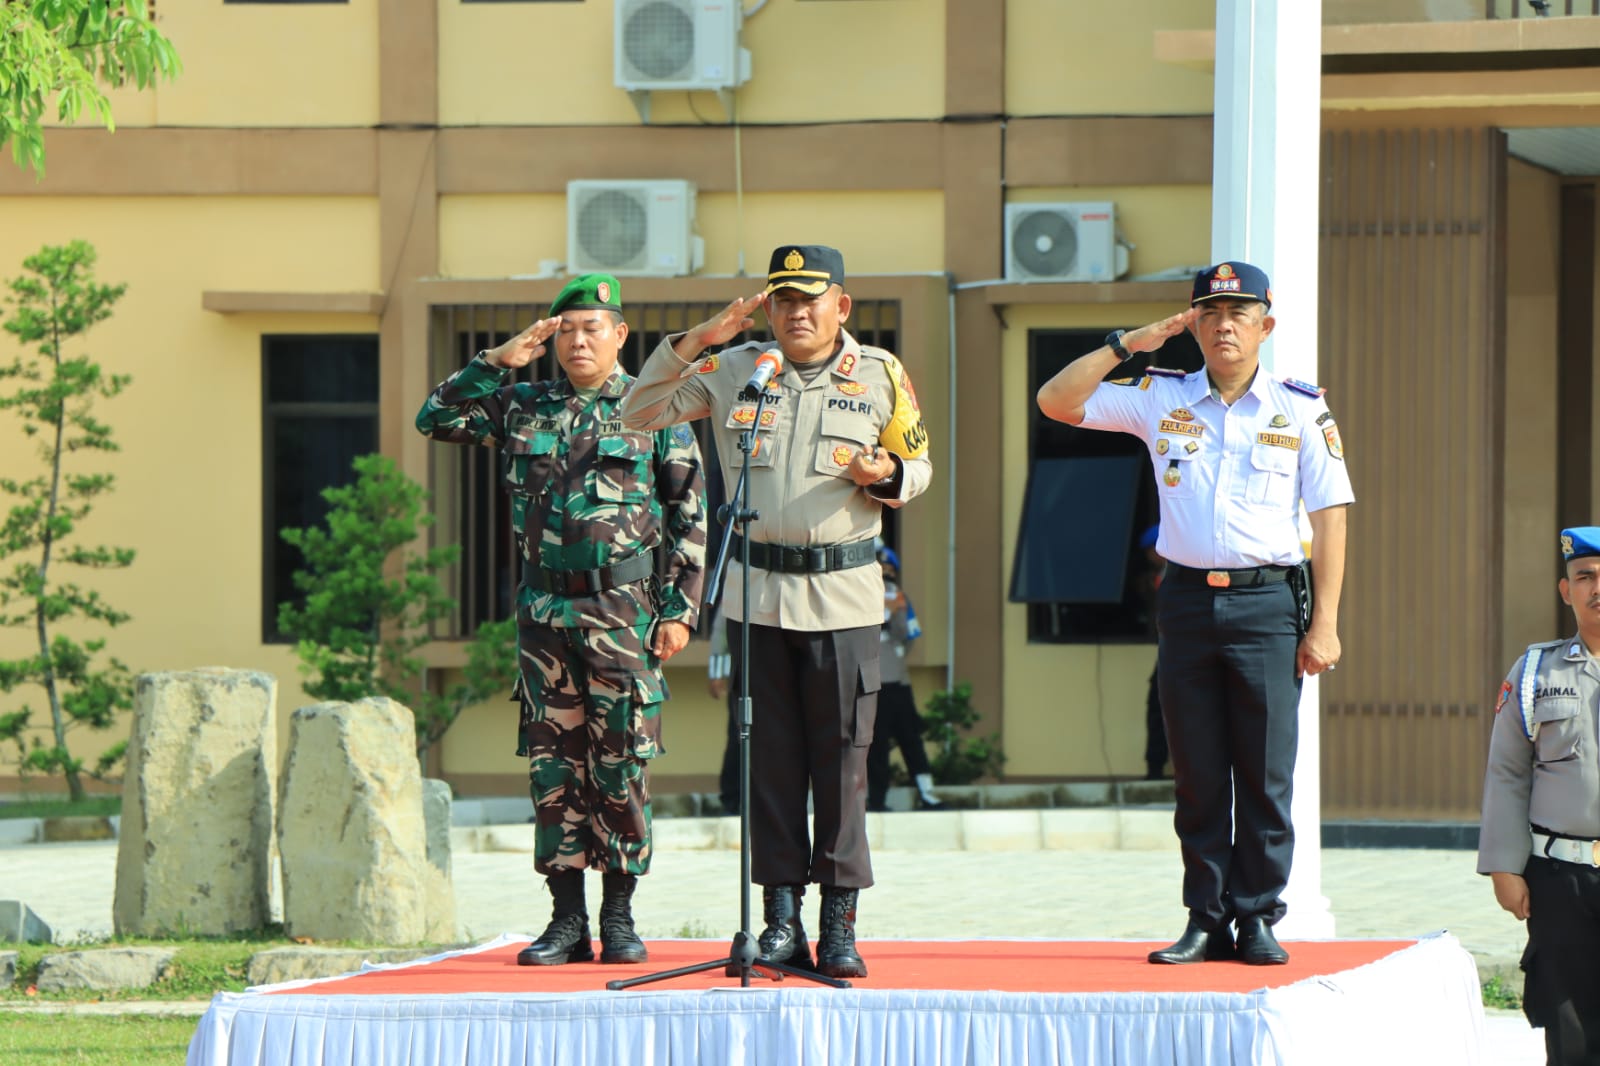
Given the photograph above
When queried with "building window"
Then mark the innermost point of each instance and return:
(469, 503)
(1090, 498)
(320, 413)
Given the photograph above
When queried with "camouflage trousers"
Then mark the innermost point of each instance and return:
(590, 720)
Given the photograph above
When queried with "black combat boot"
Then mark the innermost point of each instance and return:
(618, 941)
(836, 944)
(784, 938)
(566, 938)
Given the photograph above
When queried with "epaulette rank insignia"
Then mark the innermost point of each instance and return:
(1305, 390)
(1138, 381)
(1166, 371)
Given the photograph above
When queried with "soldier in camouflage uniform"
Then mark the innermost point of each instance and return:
(590, 502)
(1539, 840)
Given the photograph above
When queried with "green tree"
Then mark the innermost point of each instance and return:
(365, 618)
(65, 50)
(54, 303)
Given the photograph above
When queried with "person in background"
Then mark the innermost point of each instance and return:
(898, 720)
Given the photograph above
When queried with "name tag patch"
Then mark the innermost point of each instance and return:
(1185, 428)
(1279, 440)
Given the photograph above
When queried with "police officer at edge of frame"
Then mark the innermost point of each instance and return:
(1540, 833)
(1234, 453)
(590, 502)
(841, 439)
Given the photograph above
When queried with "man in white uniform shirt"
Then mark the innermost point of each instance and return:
(1241, 614)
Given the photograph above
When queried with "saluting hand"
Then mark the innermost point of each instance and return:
(721, 327)
(1149, 338)
(526, 346)
(671, 638)
(870, 464)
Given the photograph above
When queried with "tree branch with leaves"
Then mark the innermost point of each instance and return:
(66, 50)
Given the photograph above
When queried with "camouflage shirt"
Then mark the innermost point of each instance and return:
(586, 492)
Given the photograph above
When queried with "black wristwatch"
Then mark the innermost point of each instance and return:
(1114, 342)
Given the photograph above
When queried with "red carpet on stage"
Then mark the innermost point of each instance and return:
(958, 965)
(926, 1003)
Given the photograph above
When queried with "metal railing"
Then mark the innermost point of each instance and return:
(1520, 9)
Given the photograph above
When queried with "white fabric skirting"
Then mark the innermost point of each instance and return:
(1422, 1004)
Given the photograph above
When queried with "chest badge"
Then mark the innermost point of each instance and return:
(1278, 422)
(1162, 445)
(1182, 414)
(710, 365)
(851, 388)
(841, 456)
(1172, 476)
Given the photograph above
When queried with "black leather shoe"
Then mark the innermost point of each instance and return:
(1197, 945)
(566, 939)
(784, 938)
(1257, 945)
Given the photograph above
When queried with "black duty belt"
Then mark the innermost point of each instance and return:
(1248, 577)
(812, 559)
(589, 582)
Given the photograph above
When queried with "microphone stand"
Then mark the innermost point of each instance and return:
(744, 950)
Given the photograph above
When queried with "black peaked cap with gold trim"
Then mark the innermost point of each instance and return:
(810, 268)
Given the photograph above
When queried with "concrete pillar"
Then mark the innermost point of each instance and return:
(1264, 204)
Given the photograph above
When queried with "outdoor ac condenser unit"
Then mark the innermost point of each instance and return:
(679, 44)
(1063, 242)
(637, 228)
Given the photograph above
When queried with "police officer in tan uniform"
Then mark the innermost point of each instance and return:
(840, 439)
(1540, 836)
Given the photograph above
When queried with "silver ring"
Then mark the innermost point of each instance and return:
(1333, 666)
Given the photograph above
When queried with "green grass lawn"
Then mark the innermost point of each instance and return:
(93, 1040)
(60, 807)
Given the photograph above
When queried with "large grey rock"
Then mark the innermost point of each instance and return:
(276, 965)
(19, 925)
(351, 830)
(103, 969)
(8, 969)
(195, 844)
(436, 802)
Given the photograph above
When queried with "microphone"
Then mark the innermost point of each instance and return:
(768, 366)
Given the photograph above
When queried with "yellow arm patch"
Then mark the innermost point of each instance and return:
(906, 435)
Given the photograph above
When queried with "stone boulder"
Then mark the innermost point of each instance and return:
(194, 848)
(20, 925)
(103, 969)
(351, 830)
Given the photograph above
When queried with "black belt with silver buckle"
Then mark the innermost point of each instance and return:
(1248, 577)
(812, 559)
(589, 582)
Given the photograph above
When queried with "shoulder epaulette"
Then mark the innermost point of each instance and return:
(877, 353)
(1313, 391)
(1166, 372)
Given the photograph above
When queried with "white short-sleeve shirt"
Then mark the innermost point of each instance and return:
(1230, 479)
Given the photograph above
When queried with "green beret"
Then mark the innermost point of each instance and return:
(588, 292)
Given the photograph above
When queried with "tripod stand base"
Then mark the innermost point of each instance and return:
(742, 957)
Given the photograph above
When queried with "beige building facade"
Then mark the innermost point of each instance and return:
(337, 203)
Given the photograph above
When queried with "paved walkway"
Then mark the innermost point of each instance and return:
(1072, 894)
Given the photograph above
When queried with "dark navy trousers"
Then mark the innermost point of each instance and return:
(1230, 701)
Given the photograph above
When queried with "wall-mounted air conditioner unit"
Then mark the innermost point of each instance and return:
(634, 228)
(679, 44)
(1063, 242)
